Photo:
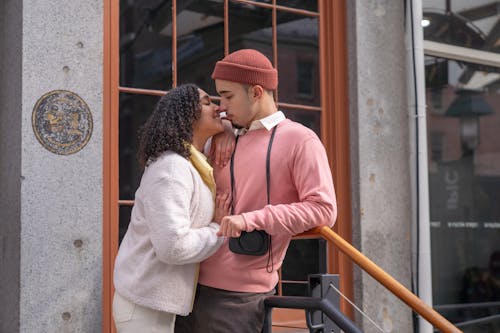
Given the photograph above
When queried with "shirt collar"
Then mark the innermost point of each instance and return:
(267, 122)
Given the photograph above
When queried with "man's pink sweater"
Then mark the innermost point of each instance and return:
(302, 196)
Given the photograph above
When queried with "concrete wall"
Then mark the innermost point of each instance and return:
(380, 156)
(54, 202)
(10, 161)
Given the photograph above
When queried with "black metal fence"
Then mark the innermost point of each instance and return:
(321, 308)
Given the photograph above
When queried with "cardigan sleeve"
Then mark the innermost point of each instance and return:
(317, 203)
(167, 213)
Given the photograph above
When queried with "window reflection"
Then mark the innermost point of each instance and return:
(473, 24)
(146, 62)
(307, 118)
(304, 257)
(464, 182)
(298, 59)
(124, 218)
(200, 41)
(250, 27)
(134, 111)
(145, 44)
(311, 5)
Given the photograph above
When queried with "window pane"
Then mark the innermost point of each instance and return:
(134, 111)
(463, 103)
(472, 24)
(146, 44)
(124, 221)
(200, 41)
(309, 119)
(298, 59)
(311, 5)
(250, 27)
(295, 289)
(304, 257)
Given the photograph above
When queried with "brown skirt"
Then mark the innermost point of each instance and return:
(222, 311)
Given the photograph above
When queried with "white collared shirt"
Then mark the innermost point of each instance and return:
(267, 122)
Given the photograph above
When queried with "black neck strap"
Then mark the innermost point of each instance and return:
(268, 168)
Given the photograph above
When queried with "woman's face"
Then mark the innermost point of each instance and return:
(209, 122)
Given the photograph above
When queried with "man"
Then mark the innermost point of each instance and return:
(232, 287)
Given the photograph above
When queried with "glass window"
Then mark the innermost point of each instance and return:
(307, 118)
(134, 111)
(298, 59)
(463, 102)
(148, 67)
(464, 163)
(124, 216)
(305, 70)
(472, 24)
(311, 5)
(200, 41)
(154, 55)
(145, 44)
(303, 257)
(250, 27)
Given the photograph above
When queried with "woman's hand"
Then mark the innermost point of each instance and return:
(222, 206)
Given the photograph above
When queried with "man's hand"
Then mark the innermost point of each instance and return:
(231, 226)
(222, 145)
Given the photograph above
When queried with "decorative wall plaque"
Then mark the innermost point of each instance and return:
(62, 122)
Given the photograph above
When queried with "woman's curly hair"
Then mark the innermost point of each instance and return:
(171, 124)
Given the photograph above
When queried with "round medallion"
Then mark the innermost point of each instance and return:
(62, 122)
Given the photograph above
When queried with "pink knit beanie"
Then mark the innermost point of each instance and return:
(247, 66)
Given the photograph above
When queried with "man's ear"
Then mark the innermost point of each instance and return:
(256, 92)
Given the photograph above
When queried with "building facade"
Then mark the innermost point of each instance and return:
(77, 80)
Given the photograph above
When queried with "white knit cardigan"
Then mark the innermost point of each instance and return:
(170, 232)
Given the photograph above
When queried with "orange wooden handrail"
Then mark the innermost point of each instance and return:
(388, 281)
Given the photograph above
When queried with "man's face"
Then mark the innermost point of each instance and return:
(236, 102)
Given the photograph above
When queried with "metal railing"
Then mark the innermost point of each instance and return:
(309, 304)
(413, 301)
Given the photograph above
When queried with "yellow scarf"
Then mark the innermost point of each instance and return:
(205, 170)
(199, 161)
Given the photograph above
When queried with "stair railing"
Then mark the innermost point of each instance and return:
(413, 301)
(309, 304)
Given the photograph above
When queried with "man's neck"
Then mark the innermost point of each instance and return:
(267, 108)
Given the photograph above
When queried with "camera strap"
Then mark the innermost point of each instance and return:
(268, 182)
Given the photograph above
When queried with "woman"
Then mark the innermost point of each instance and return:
(173, 225)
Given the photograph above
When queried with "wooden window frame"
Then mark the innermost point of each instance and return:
(334, 130)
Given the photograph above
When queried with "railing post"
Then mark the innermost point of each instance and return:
(321, 307)
(319, 287)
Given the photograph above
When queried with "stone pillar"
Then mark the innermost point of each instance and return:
(380, 156)
(51, 161)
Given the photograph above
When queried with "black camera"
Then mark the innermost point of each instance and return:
(254, 243)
